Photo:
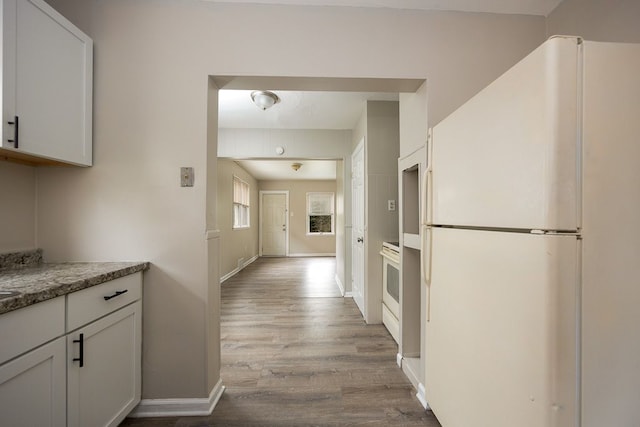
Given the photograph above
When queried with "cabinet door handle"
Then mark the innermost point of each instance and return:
(16, 133)
(117, 293)
(81, 351)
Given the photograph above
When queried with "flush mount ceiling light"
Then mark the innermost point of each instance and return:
(264, 99)
(296, 166)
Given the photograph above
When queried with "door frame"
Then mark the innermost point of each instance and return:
(286, 216)
(360, 147)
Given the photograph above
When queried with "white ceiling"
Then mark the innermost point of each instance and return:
(523, 7)
(281, 169)
(296, 110)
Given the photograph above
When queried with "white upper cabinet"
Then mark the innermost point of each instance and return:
(47, 80)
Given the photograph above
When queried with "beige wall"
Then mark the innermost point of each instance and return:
(413, 120)
(382, 149)
(17, 207)
(299, 242)
(240, 245)
(297, 143)
(597, 20)
(152, 59)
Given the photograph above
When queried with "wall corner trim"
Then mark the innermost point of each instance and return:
(148, 408)
(340, 285)
(212, 234)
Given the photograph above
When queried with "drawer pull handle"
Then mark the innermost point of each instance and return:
(81, 358)
(118, 293)
(16, 122)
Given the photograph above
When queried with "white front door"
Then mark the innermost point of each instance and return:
(357, 244)
(274, 224)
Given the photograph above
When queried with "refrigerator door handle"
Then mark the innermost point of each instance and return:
(425, 262)
(428, 181)
(423, 198)
(425, 203)
(429, 148)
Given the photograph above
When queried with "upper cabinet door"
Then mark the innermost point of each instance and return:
(47, 84)
(509, 157)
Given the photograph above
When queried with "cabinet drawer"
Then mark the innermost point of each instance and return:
(89, 304)
(26, 328)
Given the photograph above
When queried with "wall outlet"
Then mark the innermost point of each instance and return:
(391, 205)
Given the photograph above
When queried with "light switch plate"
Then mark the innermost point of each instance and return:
(391, 205)
(186, 177)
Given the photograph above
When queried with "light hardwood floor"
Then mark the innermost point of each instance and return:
(295, 353)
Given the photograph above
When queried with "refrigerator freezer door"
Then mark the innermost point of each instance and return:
(501, 339)
(508, 157)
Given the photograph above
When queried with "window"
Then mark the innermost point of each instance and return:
(240, 203)
(320, 217)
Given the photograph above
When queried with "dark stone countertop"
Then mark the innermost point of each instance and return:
(36, 281)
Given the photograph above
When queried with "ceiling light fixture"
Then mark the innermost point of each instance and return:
(296, 166)
(264, 99)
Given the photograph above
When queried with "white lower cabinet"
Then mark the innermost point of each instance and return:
(85, 375)
(32, 388)
(103, 369)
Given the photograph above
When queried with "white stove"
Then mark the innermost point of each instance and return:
(391, 287)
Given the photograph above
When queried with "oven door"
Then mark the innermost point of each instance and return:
(391, 286)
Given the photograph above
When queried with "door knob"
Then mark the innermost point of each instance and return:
(360, 240)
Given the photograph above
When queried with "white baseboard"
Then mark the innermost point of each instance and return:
(340, 285)
(230, 274)
(149, 408)
(348, 294)
(249, 261)
(310, 255)
(399, 360)
(238, 269)
(410, 367)
(421, 396)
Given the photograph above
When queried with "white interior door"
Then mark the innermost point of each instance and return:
(501, 339)
(274, 224)
(357, 211)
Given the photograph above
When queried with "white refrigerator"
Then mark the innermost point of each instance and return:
(532, 245)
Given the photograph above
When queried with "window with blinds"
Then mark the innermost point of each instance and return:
(240, 203)
(320, 213)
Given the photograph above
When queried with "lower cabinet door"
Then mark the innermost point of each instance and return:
(103, 369)
(32, 388)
